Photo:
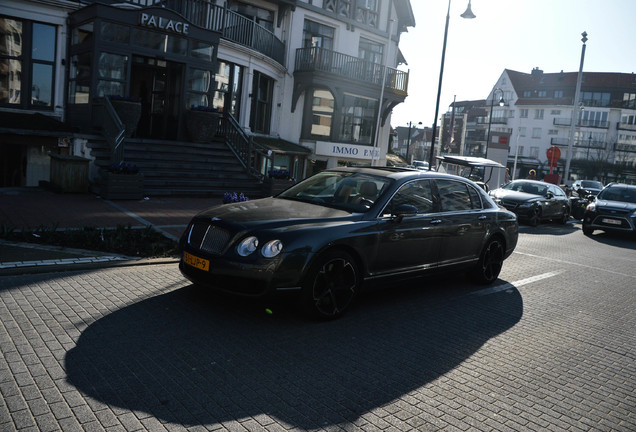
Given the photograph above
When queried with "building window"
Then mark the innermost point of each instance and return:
(198, 86)
(262, 94)
(227, 95)
(520, 151)
(370, 51)
(534, 152)
(595, 99)
(358, 119)
(111, 70)
(558, 94)
(594, 118)
(629, 100)
(628, 120)
(322, 105)
(542, 93)
(522, 131)
(555, 112)
(527, 94)
(27, 63)
(261, 16)
(317, 35)
(536, 133)
(538, 114)
(553, 132)
(523, 113)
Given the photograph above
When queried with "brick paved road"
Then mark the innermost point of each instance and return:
(552, 347)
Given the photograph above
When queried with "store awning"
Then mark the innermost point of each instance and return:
(281, 146)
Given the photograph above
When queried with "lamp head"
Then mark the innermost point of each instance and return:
(468, 14)
(502, 102)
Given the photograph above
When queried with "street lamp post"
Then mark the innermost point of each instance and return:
(492, 105)
(468, 14)
(577, 92)
(408, 142)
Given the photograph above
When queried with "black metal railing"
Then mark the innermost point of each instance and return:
(625, 126)
(253, 157)
(112, 127)
(343, 65)
(232, 25)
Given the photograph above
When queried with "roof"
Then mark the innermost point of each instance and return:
(279, 145)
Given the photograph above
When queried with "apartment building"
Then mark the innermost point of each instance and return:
(296, 85)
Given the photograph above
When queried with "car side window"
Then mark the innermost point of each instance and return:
(475, 199)
(417, 193)
(453, 195)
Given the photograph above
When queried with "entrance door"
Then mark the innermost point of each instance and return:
(157, 83)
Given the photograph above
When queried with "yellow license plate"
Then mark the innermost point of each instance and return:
(196, 262)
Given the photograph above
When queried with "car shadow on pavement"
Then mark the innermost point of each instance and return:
(192, 358)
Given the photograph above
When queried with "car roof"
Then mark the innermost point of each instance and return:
(396, 172)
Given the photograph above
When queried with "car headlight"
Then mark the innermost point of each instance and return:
(272, 248)
(527, 204)
(591, 207)
(247, 246)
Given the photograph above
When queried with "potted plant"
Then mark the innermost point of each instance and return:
(129, 111)
(202, 123)
(123, 181)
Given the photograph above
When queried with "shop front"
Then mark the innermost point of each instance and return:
(151, 58)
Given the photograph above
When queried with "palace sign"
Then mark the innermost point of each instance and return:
(162, 23)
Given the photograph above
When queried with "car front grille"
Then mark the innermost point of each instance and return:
(510, 205)
(208, 238)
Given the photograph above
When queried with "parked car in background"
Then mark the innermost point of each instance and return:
(534, 201)
(585, 188)
(421, 165)
(327, 237)
(613, 209)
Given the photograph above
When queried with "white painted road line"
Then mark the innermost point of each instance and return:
(517, 284)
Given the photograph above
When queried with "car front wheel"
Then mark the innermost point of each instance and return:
(565, 216)
(331, 285)
(535, 216)
(490, 262)
(587, 230)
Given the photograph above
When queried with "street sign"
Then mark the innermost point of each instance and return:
(554, 154)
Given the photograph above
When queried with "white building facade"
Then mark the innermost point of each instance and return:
(319, 76)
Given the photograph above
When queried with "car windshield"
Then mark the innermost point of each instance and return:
(591, 184)
(621, 194)
(527, 187)
(354, 192)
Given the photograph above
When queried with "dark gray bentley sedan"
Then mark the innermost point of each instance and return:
(334, 233)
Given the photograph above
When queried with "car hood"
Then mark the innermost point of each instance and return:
(516, 196)
(273, 212)
(618, 205)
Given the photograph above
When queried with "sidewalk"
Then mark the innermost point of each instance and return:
(35, 207)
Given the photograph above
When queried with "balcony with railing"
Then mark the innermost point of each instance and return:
(625, 126)
(341, 65)
(562, 121)
(232, 25)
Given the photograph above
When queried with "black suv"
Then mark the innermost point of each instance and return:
(613, 209)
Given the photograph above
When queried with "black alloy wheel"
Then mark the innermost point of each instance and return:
(535, 216)
(331, 285)
(587, 230)
(490, 263)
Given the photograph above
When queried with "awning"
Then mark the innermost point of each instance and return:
(281, 146)
(33, 124)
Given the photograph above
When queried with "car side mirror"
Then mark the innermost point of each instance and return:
(403, 210)
(549, 195)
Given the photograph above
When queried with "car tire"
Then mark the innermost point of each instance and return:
(565, 216)
(331, 285)
(535, 217)
(587, 230)
(490, 263)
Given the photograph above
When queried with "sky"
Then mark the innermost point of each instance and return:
(507, 34)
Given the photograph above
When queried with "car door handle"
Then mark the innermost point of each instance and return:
(436, 221)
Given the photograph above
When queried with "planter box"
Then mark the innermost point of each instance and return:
(202, 125)
(69, 173)
(123, 186)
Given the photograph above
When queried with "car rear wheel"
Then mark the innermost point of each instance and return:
(331, 285)
(490, 262)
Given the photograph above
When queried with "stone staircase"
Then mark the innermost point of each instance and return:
(181, 168)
